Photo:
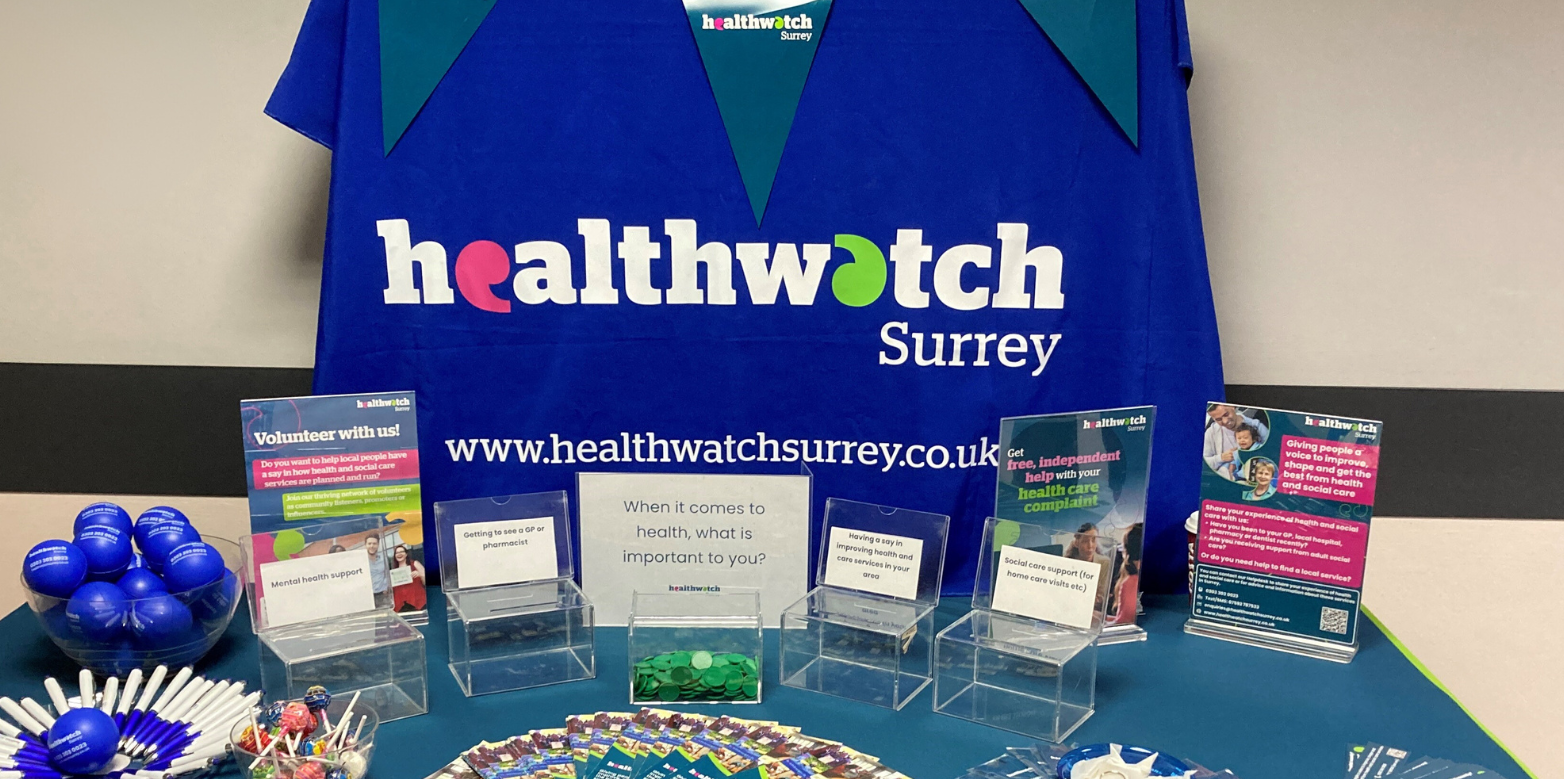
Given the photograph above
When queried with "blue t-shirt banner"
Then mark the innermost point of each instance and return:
(569, 230)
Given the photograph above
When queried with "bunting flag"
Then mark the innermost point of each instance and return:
(757, 55)
(419, 41)
(1097, 38)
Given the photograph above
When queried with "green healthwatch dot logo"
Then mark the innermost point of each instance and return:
(861, 281)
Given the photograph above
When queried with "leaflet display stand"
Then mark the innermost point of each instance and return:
(865, 632)
(369, 650)
(515, 618)
(1036, 677)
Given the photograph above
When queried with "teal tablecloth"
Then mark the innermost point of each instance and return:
(1262, 714)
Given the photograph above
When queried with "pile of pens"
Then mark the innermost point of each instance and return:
(168, 731)
(297, 740)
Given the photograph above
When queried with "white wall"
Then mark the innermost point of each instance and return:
(1382, 183)
(149, 212)
(1380, 180)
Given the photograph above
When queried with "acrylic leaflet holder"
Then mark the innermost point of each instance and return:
(865, 632)
(695, 647)
(1024, 659)
(515, 617)
(320, 603)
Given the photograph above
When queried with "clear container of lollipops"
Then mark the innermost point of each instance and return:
(124, 729)
(318, 737)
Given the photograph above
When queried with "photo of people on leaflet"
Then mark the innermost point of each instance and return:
(399, 580)
(1260, 473)
(1074, 485)
(1230, 432)
(1234, 442)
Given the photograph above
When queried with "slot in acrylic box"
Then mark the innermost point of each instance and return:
(516, 619)
(349, 640)
(866, 631)
(695, 647)
(1015, 671)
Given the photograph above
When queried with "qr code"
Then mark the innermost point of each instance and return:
(1333, 620)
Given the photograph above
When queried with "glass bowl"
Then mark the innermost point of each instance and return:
(363, 725)
(211, 607)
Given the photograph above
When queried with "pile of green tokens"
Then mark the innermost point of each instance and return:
(697, 676)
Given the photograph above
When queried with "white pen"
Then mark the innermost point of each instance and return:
(56, 694)
(127, 697)
(38, 712)
(84, 685)
(22, 718)
(110, 692)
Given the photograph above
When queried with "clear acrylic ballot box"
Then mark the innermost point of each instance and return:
(695, 647)
(319, 603)
(1024, 659)
(866, 631)
(515, 617)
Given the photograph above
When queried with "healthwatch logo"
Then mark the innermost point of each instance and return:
(964, 277)
(793, 28)
(400, 404)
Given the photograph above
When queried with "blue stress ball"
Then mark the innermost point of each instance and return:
(107, 548)
(161, 539)
(83, 741)
(160, 621)
(55, 621)
(155, 516)
(192, 564)
(213, 601)
(120, 657)
(109, 514)
(141, 583)
(55, 568)
(97, 612)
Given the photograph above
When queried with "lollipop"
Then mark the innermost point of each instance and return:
(296, 718)
(254, 740)
(310, 770)
(273, 713)
(317, 698)
(354, 764)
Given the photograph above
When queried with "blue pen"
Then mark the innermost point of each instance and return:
(30, 774)
(27, 750)
(127, 697)
(193, 694)
(175, 688)
(133, 718)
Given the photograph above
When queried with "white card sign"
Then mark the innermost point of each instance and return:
(507, 551)
(316, 587)
(1045, 586)
(666, 532)
(874, 562)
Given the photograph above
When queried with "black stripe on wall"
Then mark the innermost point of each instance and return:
(130, 429)
(174, 430)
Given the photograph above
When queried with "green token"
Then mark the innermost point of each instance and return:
(751, 688)
(668, 692)
(680, 675)
(701, 660)
(749, 665)
(662, 661)
(719, 661)
(734, 657)
(680, 658)
(714, 678)
(663, 676)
